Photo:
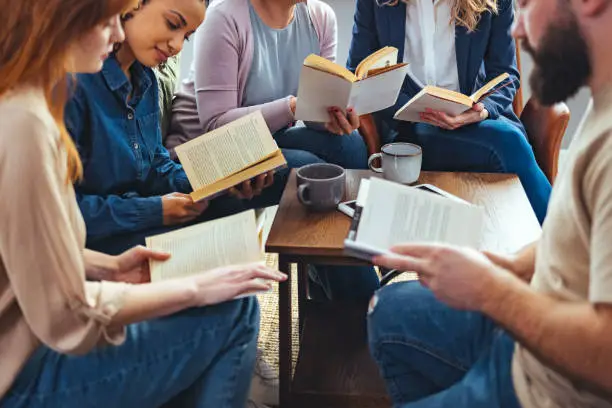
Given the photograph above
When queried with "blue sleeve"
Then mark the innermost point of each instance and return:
(166, 175)
(108, 215)
(365, 41)
(500, 57)
(365, 38)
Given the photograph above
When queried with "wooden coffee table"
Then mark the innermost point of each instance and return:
(334, 368)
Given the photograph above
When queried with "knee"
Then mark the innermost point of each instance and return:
(509, 143)
(398, 299)
(298, 158)
(244, 317)
(355, 151)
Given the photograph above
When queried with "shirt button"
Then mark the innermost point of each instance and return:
(130, 116)
(136, 146)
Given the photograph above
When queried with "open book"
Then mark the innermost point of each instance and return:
(443, 100)
(389, 213)
(374, 86)
(226, 241)
(229, 155)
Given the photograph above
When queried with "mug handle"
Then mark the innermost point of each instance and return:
(371, 161)
(301, 192)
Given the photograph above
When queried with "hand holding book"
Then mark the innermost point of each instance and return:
(453, 104)
(445, 121)
(339, 123)
(179, 208)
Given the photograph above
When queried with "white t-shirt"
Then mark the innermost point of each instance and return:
(429, 46)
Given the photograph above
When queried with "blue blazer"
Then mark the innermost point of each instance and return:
(481, 55)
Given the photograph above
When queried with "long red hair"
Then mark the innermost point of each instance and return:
(35, 39)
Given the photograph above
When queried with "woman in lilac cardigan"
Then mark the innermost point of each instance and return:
(248, 56)
(246, 59)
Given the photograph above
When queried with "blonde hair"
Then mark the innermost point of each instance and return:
(464, 13)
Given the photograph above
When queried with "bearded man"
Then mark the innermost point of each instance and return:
(531, 330)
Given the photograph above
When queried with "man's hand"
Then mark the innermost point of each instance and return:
(249, 189)
(132, 266)
(457, 276)
(522, 263)
(477, 114)
(179, 208)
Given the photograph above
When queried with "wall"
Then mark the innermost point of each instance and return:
(344, 11)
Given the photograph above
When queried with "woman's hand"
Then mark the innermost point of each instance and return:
(477, 114)
(341, 124)
(226, 283)
(179, 208)
(252, 188)
(132, 266)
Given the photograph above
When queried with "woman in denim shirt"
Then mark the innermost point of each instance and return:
(131, 188)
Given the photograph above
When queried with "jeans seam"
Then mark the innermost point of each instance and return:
(419, 346)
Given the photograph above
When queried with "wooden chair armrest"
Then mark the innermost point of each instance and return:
(370, 134)
(545, 127)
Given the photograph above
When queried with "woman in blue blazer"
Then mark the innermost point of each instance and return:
(458, 45)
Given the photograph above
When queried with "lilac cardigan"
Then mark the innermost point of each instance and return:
(213, 94)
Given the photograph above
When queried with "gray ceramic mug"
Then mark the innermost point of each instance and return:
(320, 186)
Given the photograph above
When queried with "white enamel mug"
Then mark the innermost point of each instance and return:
(401, 162)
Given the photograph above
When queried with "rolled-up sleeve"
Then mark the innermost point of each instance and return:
(40, 245)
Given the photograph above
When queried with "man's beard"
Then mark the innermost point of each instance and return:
(561, 62)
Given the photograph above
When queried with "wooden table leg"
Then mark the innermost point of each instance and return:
(284, 333)
(302, 293)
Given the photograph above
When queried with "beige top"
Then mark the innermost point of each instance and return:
(574, 255)
(43, 294)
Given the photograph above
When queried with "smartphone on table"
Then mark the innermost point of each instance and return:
(348, 207)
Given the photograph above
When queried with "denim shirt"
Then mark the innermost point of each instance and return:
(126, 169)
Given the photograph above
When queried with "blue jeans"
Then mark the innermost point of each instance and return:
(432, 356)
(200, 357)
(495, 146)
(348, 151)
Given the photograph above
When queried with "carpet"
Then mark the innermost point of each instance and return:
(268, 333)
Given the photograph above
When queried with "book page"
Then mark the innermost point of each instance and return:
(378, 92)
(275, 161)
(423, 101)
(226, 150)
(395, 214)
(317, 92)
(227, 241)
(323, 64)
(476, 96)
(384, 57)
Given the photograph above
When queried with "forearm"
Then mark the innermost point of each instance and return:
(107, 216)
(99, 266)
(571, 337)
(153, 300)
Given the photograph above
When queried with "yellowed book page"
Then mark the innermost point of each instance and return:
(275, 161)
(384, 57)
(380, 71)
(323, 64)
(449, 95)
(226, 150)
(488, 87)
(422, 101)
(227, 241)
